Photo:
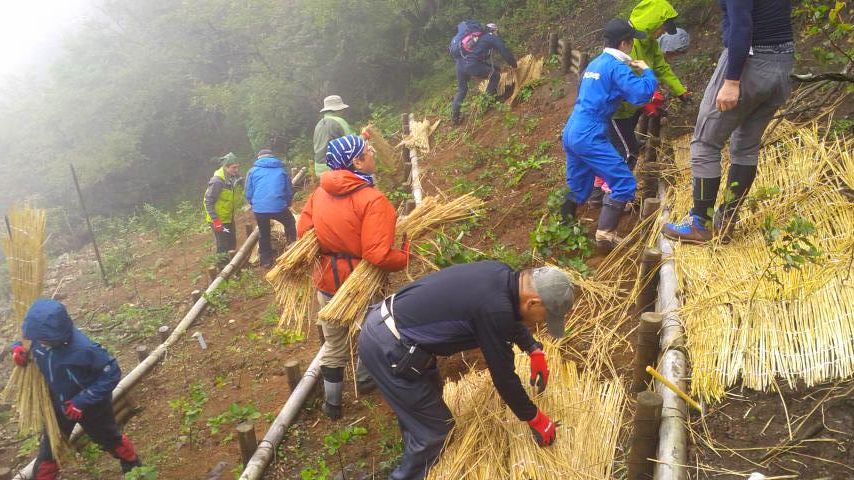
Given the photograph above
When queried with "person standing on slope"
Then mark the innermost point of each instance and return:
(330, 127)
(223, 198)
(269, 193)
(353, 221)
(609, 79)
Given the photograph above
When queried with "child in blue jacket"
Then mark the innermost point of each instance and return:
(81, 376)
(268, 190)
(609, 79)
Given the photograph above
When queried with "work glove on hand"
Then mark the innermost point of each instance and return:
(217, 225)
(366, 134)
(72, 412)
(655, 107)
(539, 370)
(543, 429)
(19, 355)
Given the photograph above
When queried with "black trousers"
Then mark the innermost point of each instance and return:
(265, 249)
(99, 423)
(621, 132)
(225, 241)
(466, 72)
(422, 414)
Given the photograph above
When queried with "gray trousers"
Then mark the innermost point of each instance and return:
(765, 87)
(422, 415)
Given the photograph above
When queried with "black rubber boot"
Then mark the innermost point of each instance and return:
(333, 390)
(596, 197)
(739, 181)
(705, 192)
(568, 209)
(609, 218)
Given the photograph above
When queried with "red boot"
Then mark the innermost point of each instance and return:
(46, 470)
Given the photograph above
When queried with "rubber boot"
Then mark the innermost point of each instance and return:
(609, 218)
(46, 470)
(739, 181)
(567, 210)
(333, 389)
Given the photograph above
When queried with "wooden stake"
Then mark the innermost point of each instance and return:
(247, 229)
(248, 443)
(648, 278)
(655, 126)
(89, 226)
(552, 43)
(294, 372)
(565, 52)
(321, 335)
(646, 349)
(231, 254)
(643, 125)
(141, 352)
(650, 206)
(196, 295)
(645, 437)
(212, 273)
(163, 332)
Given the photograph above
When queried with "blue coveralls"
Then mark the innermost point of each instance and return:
(478, 64)
(607, 81)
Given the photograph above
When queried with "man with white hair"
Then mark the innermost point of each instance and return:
(330, 127)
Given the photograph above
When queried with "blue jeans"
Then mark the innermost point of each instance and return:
(468, 71)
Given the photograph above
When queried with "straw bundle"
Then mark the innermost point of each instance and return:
(487, 432)
(740, 324)
(388, 158)
(291, 279)
(528, 70)
(366, 282)
(27, 389)
(419, 135)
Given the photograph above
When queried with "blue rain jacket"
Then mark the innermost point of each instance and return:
(268, 186)
(79, 369)
(486, 44)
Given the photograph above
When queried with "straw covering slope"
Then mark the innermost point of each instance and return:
(748, 313)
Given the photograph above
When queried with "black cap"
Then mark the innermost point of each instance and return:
(669, 27)
(619, 29)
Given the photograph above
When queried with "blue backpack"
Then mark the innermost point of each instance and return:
(468, 33)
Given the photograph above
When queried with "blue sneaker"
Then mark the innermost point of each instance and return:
(692, 231)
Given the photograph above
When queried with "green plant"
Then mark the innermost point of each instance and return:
(790, 246)
(445, 251)
(286, 337)
(525, 93)
(565, 242)
(517, 169)
(270, 316)
(146, 472)
(825, 20)
(236, 413)
(398, 196)
(336, 440)
(319, 472)
(190, 407)
(552, 61)
(218, 299)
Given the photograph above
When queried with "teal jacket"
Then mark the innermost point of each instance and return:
(648, 16)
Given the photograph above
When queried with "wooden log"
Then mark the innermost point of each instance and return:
(648, 278)
(650, 206)
(141, 352)
(294, 372)
(645, 436)
(163, 333)
(553, 43)
(247, 440)
(565, 57)
(646, 349)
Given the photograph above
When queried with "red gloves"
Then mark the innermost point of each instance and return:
(366, 134)
(543, 429)
(72, 412)
(655, 107)
(217, 225)
(19, 355)
(539, 370)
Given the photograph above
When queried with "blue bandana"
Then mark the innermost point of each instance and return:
(341, 152)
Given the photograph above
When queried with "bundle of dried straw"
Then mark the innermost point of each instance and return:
(27, 389)
(528, 70)
(488, 441)
(291, 281)
(367, 281)
(388, 158)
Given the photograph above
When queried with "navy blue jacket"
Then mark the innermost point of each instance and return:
(753, 22)
(484, 48)
(78, 369)
(474, 305)
(268, 186)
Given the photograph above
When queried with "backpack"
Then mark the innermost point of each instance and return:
(468, 33)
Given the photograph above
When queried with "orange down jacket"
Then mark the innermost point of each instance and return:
(352, 220)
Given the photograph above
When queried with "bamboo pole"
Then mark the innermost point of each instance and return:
(414, 173)
(264, 453)
(89, 226)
